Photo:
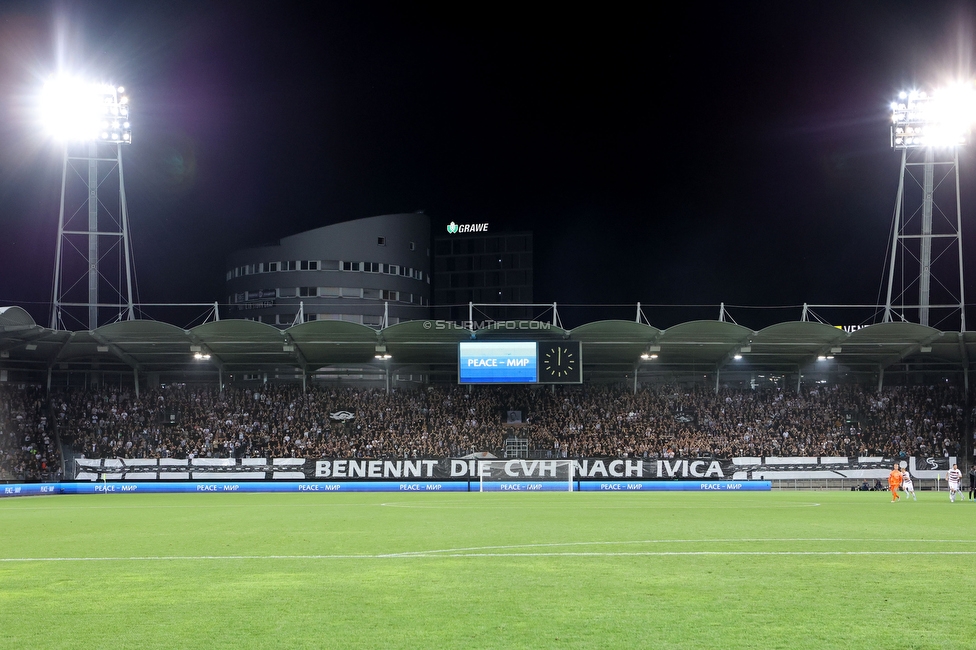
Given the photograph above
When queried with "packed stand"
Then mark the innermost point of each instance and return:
(28, 448)
(578, 421)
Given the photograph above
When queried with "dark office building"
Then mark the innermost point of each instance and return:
(489, 268)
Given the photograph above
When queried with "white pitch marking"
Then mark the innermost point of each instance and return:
(485, 551)
(677, 541)
(387, 556)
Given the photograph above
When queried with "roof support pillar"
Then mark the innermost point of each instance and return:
(880, 377)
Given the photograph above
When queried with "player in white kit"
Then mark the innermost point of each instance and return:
(906, 483)
(953, 477)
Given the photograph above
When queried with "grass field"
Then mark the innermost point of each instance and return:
(544, 570)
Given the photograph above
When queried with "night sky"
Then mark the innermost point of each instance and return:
(679, 156)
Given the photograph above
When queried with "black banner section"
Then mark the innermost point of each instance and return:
(467, 469)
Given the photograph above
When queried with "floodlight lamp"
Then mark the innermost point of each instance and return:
(943, 118)
(821, 358)
(737, 357)
(73, 110)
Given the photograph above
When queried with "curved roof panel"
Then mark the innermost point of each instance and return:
(326, 342)
(15, 317)
(240, 345)
(424, 342)
(616, 342)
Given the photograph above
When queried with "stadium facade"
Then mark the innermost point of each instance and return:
(373, 271)
(478, 265)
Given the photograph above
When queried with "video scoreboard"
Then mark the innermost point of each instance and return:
(520, 362)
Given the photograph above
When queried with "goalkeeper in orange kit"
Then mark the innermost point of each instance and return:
(894, 482)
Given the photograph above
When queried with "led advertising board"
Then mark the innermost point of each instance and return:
(520, 362)
(497, 362)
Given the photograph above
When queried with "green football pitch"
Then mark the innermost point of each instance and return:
(543, 570)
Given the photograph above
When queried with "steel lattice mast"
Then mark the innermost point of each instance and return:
(927, 232)
(93, 271)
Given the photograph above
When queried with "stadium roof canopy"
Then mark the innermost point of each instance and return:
(612, 346)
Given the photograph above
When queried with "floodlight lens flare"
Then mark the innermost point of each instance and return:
(943, 118)
(72, 109)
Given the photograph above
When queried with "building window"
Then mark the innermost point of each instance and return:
(413, 246)
(308, 292)
(371, 267)
(270, 267)
(289, 266)
(309, 265)
(351, 266)
(381, 241)
(389, 295)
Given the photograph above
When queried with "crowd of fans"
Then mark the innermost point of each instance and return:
(28, 449)
(280, 421)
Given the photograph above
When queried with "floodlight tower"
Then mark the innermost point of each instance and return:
(91, 120)
(928, 129)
